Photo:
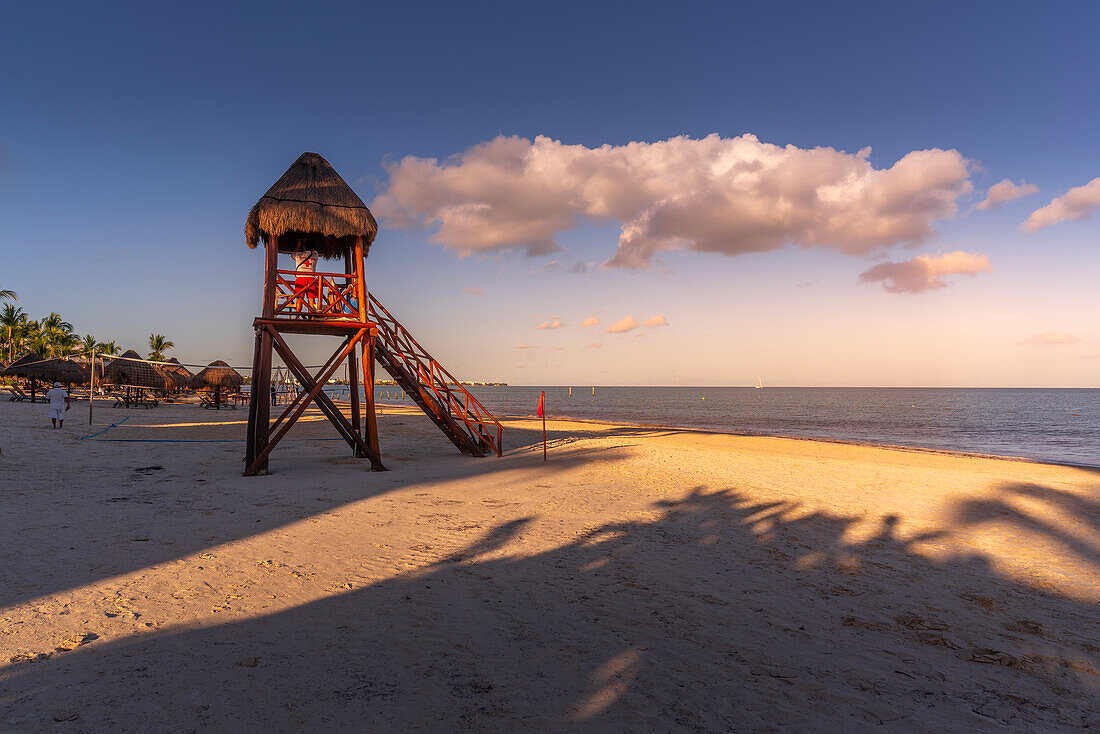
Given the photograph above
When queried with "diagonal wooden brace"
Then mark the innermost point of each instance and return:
(302, 393)
(316, 384)
(324, 402)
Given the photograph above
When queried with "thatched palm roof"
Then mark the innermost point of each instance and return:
(311, 202)
(135, 374)
(51, 370)
(10, 370)
(176, 376)
(218, 374)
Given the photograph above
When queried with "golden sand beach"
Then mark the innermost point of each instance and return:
(641, 580)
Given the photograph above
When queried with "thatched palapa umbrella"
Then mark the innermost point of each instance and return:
(15, 369)
(33, 367)
(126, 372)
(176, 376)
(313, 203)
(219, 376)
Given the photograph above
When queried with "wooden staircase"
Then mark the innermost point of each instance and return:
(458, 414)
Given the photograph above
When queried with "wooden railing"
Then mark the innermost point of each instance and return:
(482, 429)
(325, 296)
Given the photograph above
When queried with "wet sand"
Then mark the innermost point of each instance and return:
(643, 579)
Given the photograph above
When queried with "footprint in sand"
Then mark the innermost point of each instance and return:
(74, 641)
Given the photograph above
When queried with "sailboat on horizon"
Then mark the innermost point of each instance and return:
(759, 384)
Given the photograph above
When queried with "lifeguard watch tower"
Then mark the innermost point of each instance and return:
(312, 209)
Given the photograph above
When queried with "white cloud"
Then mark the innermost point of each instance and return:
(1053, 338)
(655, 322)
(724, 195)
(593, 345)
(1006, 191)
(628, 323)
(521, 345)
(925, 272)
(554, 323)
(473, 291)
(1075, 204)
(591, 321)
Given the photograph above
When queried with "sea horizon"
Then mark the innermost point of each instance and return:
(1059, 425)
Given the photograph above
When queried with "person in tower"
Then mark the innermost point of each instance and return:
(305, 283)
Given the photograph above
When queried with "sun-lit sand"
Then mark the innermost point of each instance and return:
(642, 580)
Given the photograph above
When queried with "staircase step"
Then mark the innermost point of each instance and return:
(421, 377)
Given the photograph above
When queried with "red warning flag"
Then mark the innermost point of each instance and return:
(541, 412)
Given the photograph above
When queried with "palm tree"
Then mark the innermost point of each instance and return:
(87, 344)
(107, 348)
(57, 334)
(8, 295)
(12, 321)
(54, 321)
(159, 345)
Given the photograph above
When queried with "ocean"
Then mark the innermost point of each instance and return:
(1058, 425)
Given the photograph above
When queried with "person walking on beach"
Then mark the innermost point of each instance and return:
(305, 283)
(59, 403)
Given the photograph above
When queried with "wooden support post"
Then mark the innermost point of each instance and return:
(368, 391)
(271, 275)
(261, 389)
(353, 388)
(259, 403)
(250, 449)
(355, 279)
(368, 351)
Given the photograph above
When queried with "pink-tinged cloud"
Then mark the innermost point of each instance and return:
(521, 345)
(551, 324)
(1053, 338)
(623, 325)
(1075, 204)
(925, 272)
(715, 194)
(1006, 191)
(593, 345)
(655, 322)
(591, 321)
(473, 291)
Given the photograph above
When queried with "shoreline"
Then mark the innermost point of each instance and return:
(816, 439)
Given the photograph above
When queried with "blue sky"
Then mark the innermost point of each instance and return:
(134, 139)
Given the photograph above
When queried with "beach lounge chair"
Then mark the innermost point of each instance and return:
(18, 396)
(132, 401)
(209, 403)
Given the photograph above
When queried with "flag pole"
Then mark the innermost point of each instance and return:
(542, 410)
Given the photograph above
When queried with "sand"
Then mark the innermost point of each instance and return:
(641, 580)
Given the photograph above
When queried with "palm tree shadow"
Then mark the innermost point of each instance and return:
(719, 614)
(1084, 543)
